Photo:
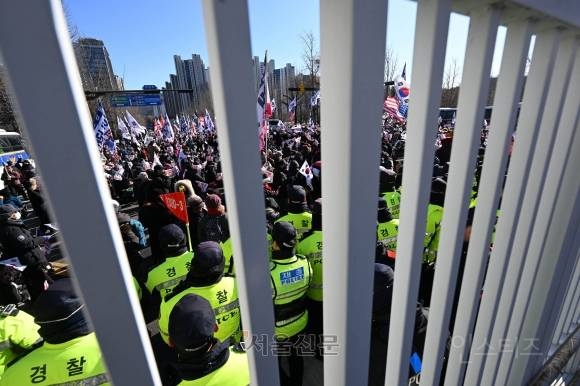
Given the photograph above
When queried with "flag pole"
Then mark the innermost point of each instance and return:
(188, 237)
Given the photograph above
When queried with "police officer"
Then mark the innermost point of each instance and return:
(387, 227)
(206, 279)
(16, 239)
(70, 353)
(382, 300)
(177, 262)
(18, 333)
(311, 248)
(202, 359)
(431, 241)
(434, 217)
(298, 214)
(387, 188)
(291, 275)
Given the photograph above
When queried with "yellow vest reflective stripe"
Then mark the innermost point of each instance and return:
(169, 273)
(17, 331)
(75, 362)
(290, 281)
(302, 222)
(223, 297)
(387, 234)
(311, 247)
(235, 372)
(393, 200)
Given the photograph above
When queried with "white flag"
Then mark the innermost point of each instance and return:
(156, 160)
(101, 127)
(136, 128)
(167, 130)
(123, 128)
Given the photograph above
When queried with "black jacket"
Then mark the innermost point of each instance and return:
(17, 241)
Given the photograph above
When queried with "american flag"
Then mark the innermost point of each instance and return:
(391, 107)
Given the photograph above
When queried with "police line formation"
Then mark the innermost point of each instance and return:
(189, 292)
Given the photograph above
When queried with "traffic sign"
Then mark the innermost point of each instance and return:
(136, 100)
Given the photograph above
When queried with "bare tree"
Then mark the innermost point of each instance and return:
(451, 77)
(311, 57)
(391, 64)
(450, 93)
(73, 30)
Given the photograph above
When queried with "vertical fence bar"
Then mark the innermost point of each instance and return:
(508, 94)
(429, 50)
(567, 310)
(554, 309)
(352, 41)
(472, 99)
(228, 36)
(38, 54)
(490, 185)
(558, 198)
(560, 288)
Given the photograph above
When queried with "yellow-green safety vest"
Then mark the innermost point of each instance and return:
(311, 247)
(290, 279)
(473, 204)
(223, 297)
(76, 362)
(235, 372)
(393, 200)
(228, 250)
(17, 333)
(302, 222)
(432, 232)
(387, 234)
(169, 273)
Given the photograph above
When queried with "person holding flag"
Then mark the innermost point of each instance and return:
(101, 127)
(167, 131)
(123, 128)
(136, 128)
(264, 106)
(209, 126)
(292, 110)
(402, 92)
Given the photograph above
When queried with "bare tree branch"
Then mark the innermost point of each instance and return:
(311, 57)
(391, 64)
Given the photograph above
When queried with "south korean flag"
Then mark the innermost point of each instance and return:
(307, 172)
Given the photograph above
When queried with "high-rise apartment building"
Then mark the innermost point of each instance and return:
(94, 65)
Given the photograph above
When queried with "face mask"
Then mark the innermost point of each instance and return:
(16, 216)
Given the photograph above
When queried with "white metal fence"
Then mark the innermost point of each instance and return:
(531, 293)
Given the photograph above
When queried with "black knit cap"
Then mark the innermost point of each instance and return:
(191, 323)
(58, 308)
(284, 234)
(171, 236)
(208, 260)
(7, 210)
(382, 203)
(297, 194)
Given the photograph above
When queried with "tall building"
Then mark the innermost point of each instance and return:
(185, 100)
(94, 65)
(119, 83)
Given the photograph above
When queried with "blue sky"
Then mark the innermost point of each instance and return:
(143, 35)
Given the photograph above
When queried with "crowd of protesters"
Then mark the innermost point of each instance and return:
(185, 276)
